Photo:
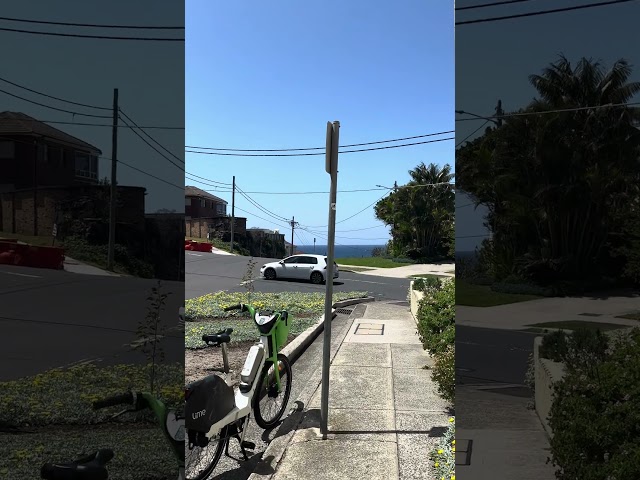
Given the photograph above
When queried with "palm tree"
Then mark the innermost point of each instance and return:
(557, 182)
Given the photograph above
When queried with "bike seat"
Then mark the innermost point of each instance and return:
(216, 339)
(91, 467)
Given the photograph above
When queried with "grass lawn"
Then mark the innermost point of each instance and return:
(374, 262)
(575, 325)
(482, 296)
(345, 268)
(30, 239)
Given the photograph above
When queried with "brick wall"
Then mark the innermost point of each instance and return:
(18, 214)
(198, 227)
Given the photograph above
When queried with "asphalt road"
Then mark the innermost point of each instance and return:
(51, 318)
(486, 356)
(209, 272)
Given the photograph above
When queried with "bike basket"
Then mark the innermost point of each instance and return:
(210, 400)
(282, 330)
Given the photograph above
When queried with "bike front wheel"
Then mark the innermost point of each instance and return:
(201, 461)
(269, 404)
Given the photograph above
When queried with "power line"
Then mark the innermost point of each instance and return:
(154, 148)
(322, 148)
(53, 108)
(91, 25)
(52, 97)
(492, 4)
(355, 214)
(187, 177)
(262, 218)
(314, 193)
(108, 125)
(260, 207)
(181, 187)
(313, 154)
(546, 112)
(151, 138)
(208, 179)
(99, 37)
(474, 236)
(543, 12)
(472, 133)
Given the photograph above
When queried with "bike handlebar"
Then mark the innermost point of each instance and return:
(239, 306)
(123, 399)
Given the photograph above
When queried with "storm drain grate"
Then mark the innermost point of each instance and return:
(590, 314)
(369, 329)
(344, 311)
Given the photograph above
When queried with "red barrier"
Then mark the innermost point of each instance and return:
(31, 256)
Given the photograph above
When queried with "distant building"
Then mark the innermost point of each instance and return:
(49, 177)
(206, 213)
(201, 204)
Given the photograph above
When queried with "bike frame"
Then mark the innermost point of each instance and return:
(243, 405)
(161, 413)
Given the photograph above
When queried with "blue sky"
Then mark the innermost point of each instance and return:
(269, 76)
(494, 60)
(149, 76)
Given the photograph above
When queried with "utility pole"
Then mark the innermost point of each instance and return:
(233, 209)
(314, 245)
(499, 114)
(114, 186)
(333, 131)
(293, 225)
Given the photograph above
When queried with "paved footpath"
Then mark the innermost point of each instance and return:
(385, 414)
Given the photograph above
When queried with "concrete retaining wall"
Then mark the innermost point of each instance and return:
(415, 297)
(546, 374)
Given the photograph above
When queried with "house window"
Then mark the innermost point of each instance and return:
(220, 209)
(53, 156)
(187, 201)
(86, 166)
(203, 203)
(7, 150)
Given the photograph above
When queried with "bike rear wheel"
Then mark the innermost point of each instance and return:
(201, 461)
(269, 404)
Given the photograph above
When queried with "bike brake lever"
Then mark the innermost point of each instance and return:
(126, 410)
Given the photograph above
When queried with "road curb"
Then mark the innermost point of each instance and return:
(277, 448)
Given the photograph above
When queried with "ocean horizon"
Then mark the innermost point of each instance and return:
(341, 251)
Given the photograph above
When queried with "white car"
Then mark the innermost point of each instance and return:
(303, 267)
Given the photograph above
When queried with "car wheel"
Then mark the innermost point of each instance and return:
(270, 274)
(316, 277)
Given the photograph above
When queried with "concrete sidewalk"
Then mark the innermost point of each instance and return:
(519, 316)
(442, 269)
(385, 414)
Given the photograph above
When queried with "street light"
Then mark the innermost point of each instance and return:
(499, 114)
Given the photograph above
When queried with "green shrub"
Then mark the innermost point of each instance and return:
(436, 318)
(427, 284)
(579, 350)
(444, 373)
(595, 417)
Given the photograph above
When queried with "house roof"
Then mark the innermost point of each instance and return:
(190, 191)
(17, 123)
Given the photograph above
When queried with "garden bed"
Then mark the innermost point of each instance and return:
(52, 419)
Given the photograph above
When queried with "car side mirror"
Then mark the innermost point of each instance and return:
(281, 262)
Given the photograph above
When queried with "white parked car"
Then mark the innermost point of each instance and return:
(303, 267)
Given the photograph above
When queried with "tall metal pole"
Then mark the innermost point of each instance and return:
(233, 209)
(314, 245)
(114, 183)
(333, 131)
(293, 224)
